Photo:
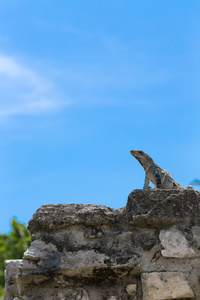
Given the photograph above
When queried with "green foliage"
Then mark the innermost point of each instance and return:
(12, 246)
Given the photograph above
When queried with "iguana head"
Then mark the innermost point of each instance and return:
(144, 159)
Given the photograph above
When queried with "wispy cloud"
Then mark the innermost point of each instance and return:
(23, 90)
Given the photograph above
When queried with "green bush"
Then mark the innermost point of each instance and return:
(12, 246)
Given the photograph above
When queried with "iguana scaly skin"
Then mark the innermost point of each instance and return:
(160, 178)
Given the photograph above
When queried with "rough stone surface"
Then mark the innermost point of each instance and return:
(11, 275)
(196, 236)
(46, 217)
(40, 250)
(132, 290)
(175, 244)
(165, 285)
(145, 250)
(156, 207)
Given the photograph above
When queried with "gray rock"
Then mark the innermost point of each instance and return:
(148, 249)
(175, 244)
(11, 275)
(166, 285)
(157, 207)
(58, 216)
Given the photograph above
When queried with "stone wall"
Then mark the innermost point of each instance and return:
(149, 249)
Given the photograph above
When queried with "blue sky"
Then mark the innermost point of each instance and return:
(84, 82)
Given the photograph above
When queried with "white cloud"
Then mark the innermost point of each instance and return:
(23, 90)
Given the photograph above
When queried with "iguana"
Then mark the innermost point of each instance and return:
(160, 178)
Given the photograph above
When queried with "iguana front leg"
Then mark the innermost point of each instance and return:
(146, 182)
(157, 183)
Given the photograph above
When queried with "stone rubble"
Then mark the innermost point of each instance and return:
(147, 250)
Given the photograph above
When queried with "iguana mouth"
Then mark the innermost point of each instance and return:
(141, 156)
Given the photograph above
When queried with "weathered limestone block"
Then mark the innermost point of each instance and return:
(165, 285)
(157, 207)
(11, 275)
(196, 236)
(84, 244)
(51, 216)
(148, 249)
(175, 244)
(132, 290)
(40, 250)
